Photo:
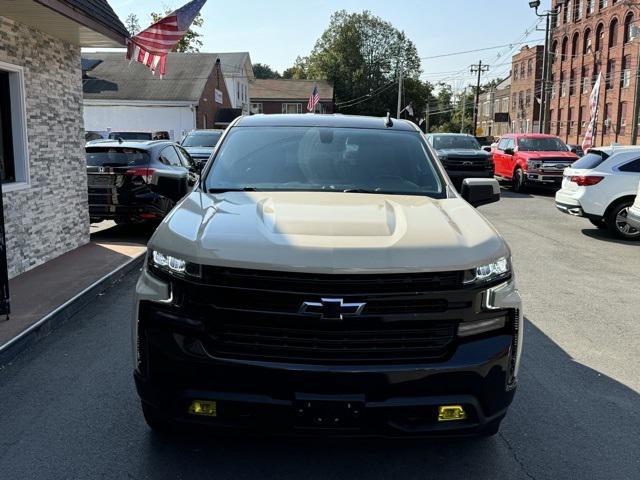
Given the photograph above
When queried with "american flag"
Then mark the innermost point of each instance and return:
(314, 98)
(150, 47)
(587, 143)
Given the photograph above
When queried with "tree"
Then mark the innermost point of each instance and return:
(362, 54)
(299, 69)
(264, 71)
(132, 23)
(190, 42)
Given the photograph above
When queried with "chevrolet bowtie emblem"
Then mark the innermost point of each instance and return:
(331, 308)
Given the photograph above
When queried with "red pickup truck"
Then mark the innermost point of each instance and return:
(531, 159)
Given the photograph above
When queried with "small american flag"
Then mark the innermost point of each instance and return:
(314, 98)
(587, 143)
(150, 47)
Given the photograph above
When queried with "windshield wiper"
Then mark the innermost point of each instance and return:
(360, 190)
(232, 189)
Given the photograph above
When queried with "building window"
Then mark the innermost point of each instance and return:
(514, 102)
(522, 70)
(574, 45)
(560, 112)
(256, 108)
(613, 33)
(527, 101)
(603, 4)
(496, 105)
(611, 73)
(570, 121)
(628, 24)
(591, 6)
(565, 43)
(586, 44)
(505, 104)
(577, 10)
(291, 108)
(572, 82)
(581, 121)
(563, 85)
(530, 67)
(607, 119)
(515, 71)
(599, 37)
(625, 79)
(622, 119)
(585, 80)
(14, 161)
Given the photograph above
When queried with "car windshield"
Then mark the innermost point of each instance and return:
(116, 157)
(463, 142)
(324, 159)
(202, 139)
(542, 144)
(130, 135)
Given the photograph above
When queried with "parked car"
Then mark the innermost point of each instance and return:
(633, 217)
(325, 277)
(575, 148)
(601, 187)
(92, 135)
(461, 156)
(122, 179)
(160, 135)
(200, 144)
(524, 159)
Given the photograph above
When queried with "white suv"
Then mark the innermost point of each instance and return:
(601, 187)
(634, 212)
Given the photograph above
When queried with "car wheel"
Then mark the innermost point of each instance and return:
(598, 223)
(518, 181)
(617, 221)
(156, 419)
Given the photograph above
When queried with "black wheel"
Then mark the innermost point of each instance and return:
(156, 419)
(518, 180)
(616, 221)
(598, 223)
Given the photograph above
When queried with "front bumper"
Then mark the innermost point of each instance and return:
(294, 398)
(543, 178)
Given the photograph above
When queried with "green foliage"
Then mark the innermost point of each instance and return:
(360, 54)
(191, 42)
(265, 72)
(299, 69)
(132, 24)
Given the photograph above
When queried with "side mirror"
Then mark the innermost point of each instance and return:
(480, 191)
(573, 150)
(487, 148)
(171, 184)
(508, 151)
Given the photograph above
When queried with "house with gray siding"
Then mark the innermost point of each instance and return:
(42, 164)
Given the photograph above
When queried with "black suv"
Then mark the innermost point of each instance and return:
(122, 179)
(461, 156)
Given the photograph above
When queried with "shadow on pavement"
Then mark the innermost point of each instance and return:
(568, 421)
(109, 232)
(605, 236)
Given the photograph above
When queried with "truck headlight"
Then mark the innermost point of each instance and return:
(174, 265)
(490, 272)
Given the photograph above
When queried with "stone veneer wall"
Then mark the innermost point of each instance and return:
(51, 216)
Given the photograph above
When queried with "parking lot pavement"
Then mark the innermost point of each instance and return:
(68, 408)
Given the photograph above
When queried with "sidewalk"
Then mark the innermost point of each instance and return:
(49, 294)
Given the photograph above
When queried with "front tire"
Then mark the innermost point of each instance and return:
(518, 181)
(616, 220)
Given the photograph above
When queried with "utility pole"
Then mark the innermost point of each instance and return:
(400, 90)
(426, 117)
(464, 110)
(480, 69)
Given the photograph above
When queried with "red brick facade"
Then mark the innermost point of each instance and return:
(589, 37)
(526, 85)
(207, 106)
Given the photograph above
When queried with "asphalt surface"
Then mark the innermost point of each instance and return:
(68, 407)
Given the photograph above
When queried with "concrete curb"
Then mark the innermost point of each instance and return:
(33, 334)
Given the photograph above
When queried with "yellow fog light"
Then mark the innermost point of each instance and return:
(207, 408)
(449, 413)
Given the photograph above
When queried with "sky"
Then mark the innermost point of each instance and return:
(275, 32)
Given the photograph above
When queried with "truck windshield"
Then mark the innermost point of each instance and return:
(462, 142)
(202, 139)
(115, 157)
(324, 159)
(541, 145)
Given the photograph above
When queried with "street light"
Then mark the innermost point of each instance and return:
(535, 4)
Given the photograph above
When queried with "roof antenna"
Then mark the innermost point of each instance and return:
(387, 121)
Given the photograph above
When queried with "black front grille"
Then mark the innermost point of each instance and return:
(467, 164)
(253, 314)
(340, 342)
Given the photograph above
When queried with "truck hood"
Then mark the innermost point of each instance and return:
(326, 232)
(460, 152)
(199, 151)
(560, 156)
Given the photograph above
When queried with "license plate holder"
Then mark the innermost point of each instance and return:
(327, 412)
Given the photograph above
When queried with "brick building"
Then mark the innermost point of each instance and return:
(42, 164)
(493, 111)
(526, 87)
(289, 96)
(589, 37)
